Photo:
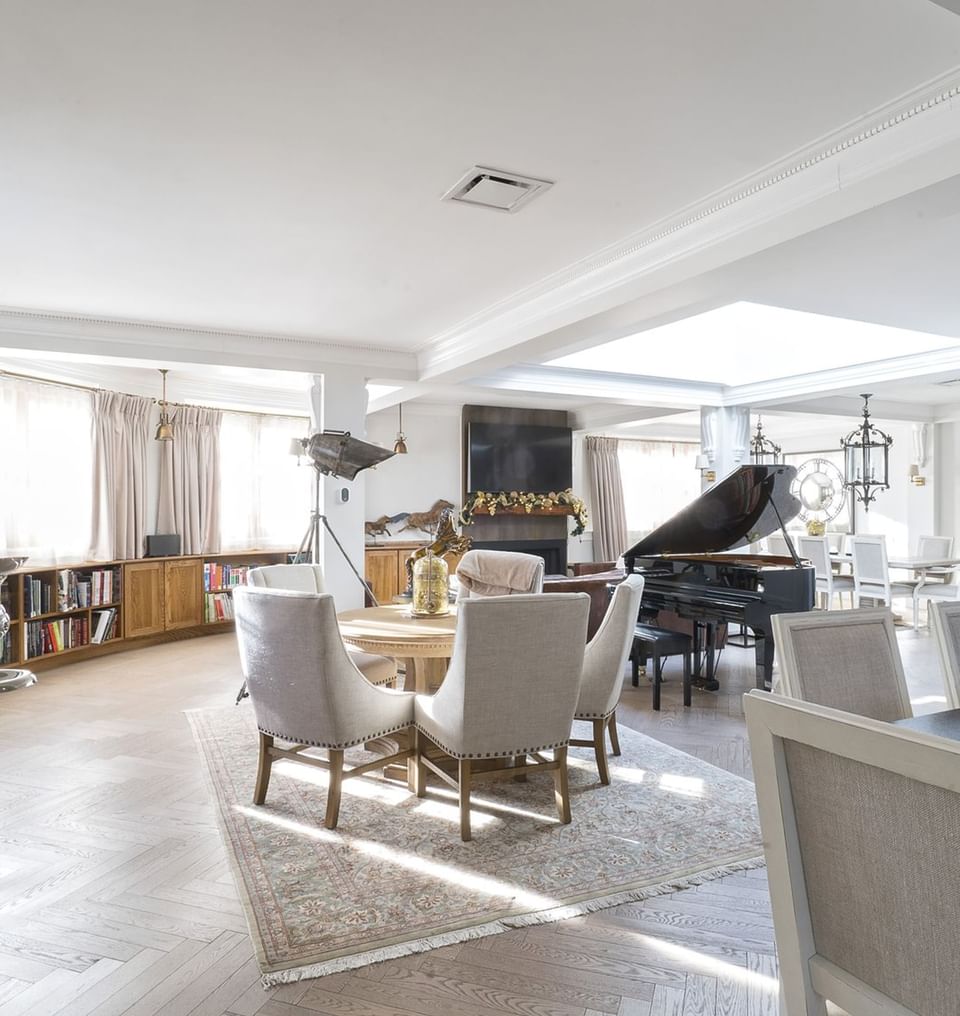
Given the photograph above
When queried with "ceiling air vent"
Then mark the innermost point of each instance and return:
(495, 188)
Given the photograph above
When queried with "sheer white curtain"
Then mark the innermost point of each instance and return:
(659, 478)
(46, 447)
(265, 498)
(190, 480)
(120, 428)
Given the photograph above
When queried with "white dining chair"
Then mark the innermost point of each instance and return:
(844, 659)
(934, 583)
(816, 549)
(859, 818)
(945, 625)
(871, 572)
(308, 578)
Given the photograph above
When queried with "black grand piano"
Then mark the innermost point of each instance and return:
(686, 572)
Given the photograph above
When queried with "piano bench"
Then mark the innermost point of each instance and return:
(650, 641)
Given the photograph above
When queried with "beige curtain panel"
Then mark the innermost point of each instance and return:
(121, 425)
(190, 480)
(609, 516)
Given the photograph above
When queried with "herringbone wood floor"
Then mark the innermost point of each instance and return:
(116, 898)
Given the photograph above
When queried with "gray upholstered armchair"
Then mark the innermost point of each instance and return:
(498, 573)
(509, 693)
(305, 689)
(603, 663)
(308, 578)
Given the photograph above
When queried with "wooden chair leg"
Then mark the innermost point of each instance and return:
(264, 762)
(333, 790)
(561, 788)
(520, 760)
(600, 750)
(687, 680)
(464, 783)
(416, 771)
(657, 678)
(614, 736)
(635, 666)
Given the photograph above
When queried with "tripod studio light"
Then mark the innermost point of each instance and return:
(866, 458)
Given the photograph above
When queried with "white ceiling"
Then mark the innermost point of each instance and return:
(248, 172)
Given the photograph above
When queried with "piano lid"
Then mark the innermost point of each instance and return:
(737, 511)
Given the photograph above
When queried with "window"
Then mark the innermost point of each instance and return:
(265, 499)
(46, 446)
(659, 478)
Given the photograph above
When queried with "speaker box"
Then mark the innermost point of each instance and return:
(163, 545)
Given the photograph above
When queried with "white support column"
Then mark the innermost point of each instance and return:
(724, 439)
(338, 401)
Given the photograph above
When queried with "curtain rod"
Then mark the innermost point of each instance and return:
(655, 440)
(180, 405)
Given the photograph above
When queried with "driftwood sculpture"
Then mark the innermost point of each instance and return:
(427, 521)
(447, 541)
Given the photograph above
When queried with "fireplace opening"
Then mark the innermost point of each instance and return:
(553, 552)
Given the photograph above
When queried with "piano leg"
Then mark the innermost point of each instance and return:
(764, 652)
(705, 651)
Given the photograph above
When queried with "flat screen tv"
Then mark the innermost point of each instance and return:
(506, 456)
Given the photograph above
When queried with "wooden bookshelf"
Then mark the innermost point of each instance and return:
(55, 610)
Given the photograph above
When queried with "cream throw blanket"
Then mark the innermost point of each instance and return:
(499, 573)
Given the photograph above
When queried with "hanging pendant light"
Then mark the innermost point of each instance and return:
(866, 459)
(164, 427)
(400, 445)
(763, 451)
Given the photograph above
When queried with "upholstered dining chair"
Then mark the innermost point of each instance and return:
(857, 819)
(308, 578)
(844, 659)
(510, 693)
(816, 549)
(306, 690)
(935, 583)
(871, 572)
(603, 662)
(498, 573)
(945, 624)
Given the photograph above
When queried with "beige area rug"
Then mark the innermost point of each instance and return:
(394, 878)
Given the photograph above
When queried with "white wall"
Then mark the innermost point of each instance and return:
(428, 472)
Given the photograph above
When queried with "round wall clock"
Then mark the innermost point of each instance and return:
(819, 488)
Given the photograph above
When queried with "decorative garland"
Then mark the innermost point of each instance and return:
(491, 502)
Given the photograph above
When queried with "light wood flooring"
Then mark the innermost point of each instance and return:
(116, 898)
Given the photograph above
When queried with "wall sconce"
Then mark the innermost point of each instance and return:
(914, 474)
(707, 474)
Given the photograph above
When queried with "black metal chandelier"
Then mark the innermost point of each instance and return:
(866, 458)
(763, 451)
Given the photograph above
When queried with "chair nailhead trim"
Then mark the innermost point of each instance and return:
(343, 744)
(491, 754)
(594, 716)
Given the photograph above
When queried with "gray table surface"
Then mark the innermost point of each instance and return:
(943, 724)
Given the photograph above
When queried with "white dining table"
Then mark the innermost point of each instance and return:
(921, 566)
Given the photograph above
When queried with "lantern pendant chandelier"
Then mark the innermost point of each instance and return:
(866, 458)
(164, 427)
(763, 451)
(400, 445)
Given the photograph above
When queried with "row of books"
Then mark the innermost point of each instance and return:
(223, 576)
(74, 591)
(7, 647)
(217, 607)
(54, 636)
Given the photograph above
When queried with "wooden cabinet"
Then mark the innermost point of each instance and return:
(385, 567)
(60, 614)
(162, 595)
(182, 592)
(143, 598)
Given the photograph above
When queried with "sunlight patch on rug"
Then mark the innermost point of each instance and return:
(394, 878)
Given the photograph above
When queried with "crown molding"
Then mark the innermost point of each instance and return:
(838, 172)
(143, 340)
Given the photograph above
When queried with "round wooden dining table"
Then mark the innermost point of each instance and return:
(422, 644)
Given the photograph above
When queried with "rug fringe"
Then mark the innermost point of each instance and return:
(392, 952)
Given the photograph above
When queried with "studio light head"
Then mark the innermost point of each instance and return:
(336, 453)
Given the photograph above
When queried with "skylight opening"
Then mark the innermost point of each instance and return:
(744, 343)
